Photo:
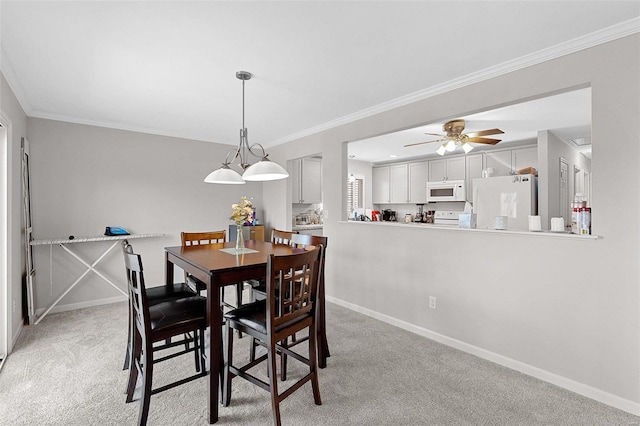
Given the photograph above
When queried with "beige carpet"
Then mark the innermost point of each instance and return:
(67, 371)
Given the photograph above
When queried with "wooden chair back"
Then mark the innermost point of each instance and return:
(202, 238)
(137, 295)
(282, 237)
(292, 285)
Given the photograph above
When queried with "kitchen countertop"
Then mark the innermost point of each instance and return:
(309, 226)
(450, 228)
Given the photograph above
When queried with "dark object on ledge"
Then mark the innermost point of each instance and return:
(111, 231)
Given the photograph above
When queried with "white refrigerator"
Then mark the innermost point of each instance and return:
(515, 197)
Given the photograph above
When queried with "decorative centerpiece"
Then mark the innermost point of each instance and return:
(242, 213)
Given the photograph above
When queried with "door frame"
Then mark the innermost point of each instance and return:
(5, 223)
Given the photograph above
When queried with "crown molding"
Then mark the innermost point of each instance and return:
(587, 41)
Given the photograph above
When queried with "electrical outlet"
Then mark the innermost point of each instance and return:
(432, 302)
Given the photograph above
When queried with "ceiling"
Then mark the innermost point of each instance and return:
(168, 67)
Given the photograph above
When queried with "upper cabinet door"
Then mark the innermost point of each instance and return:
(296, 180)
(306, 184)
(500, 161)
(399, 183)
(524, 157)
(474, 170)
(456, 168)
(418, 182)
(447, 169)
(437, 170)
(380, 178)
(311, 181)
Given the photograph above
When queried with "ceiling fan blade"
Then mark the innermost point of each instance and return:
(485, 133)
(435, 134)
(420, 143)
(487, 141)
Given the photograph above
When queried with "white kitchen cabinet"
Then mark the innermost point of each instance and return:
(399, 183)
(447, 169)
(509, 161)
(418, 174)
(500, 161)
(524, 157)
(380, 189)
(307, 181)
(475, 164)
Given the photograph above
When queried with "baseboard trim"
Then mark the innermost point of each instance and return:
(16, 335)
(555, 379)
(80, 305)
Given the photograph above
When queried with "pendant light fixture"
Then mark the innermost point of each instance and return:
(263, 170)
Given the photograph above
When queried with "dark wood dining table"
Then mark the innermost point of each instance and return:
(218, 268)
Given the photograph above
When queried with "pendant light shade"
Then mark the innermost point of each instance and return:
(224, 175)
(263, 170)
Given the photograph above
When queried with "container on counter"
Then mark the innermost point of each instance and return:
(584, 221)
(575, 214)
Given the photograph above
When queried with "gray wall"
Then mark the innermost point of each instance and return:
(565, 310)
(85, 178)
(550, 150)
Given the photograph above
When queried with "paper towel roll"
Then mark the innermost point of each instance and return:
(557, 224)
(534, 223)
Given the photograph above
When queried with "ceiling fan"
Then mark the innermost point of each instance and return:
(454, 137)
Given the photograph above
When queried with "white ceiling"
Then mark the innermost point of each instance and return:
(168, 67)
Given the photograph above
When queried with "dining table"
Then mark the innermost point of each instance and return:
(219, 265)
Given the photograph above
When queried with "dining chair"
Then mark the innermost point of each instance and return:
(281, 237)
(290, 307)
(302, 241)
(258, 290)
(156, 323)
(201, 238)
(155, 295)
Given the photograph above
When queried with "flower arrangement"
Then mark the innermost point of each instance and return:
(243, 212)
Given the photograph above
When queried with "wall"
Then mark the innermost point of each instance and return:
(11, 110)
(564, 310)
(550, 150)
(85, 178)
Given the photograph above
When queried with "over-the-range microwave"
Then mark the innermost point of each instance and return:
(449, 190)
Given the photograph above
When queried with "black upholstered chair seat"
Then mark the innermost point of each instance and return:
(177, 313)
(164, 293)
(254, 315)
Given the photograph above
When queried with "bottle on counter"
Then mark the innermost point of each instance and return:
(584, 221)
(577, 205)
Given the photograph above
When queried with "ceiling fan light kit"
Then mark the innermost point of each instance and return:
(455, 137)
(263, 170)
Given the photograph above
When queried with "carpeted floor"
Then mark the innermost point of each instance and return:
(68, 371)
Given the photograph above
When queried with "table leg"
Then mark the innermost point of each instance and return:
(168, 271)
(214, 314)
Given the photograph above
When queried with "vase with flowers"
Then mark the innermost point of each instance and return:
(241, 214)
